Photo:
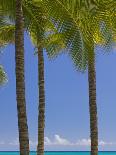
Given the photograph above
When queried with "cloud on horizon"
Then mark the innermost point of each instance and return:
(59, 141)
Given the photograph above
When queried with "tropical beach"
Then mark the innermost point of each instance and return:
(57, 77)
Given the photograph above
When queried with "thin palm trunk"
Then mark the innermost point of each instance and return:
(41, 108)
(93, 107)
(20, 80)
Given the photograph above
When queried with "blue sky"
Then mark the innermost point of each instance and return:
(67, 113)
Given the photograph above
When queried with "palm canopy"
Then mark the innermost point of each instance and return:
(41, 30)
(77, 23)
(83, 24)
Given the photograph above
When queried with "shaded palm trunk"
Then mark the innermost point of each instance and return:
(20, 80)
(93, 107)
(41, 108)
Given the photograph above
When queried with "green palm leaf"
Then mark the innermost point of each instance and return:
(3, 77)
(7, 35)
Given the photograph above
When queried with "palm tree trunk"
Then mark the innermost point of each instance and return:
(93, 107)
(20, 80)
(41, 108)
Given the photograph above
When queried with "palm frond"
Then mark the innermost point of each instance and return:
(7, 8)
(7, 35)
(3, 77)
(54, 45)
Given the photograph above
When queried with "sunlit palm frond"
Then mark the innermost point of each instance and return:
(7, 35)
(3, 77)
(54, 45)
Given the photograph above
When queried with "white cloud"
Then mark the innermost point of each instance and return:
(83, 142)
(14, 142)
(47, 141)
(60, 141)
(87, 142)
(103, 143)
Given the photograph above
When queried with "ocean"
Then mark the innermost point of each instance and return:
(61, 153)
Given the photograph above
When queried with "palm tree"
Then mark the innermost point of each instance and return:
(43, 35)
(8, 11)
(20, 80)
(83, 25)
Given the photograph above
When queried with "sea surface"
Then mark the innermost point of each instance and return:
(61, 153)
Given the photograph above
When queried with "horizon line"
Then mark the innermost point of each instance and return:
(61, 151)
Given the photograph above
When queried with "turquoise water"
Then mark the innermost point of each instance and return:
(60, 153)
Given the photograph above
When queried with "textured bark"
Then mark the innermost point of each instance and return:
(41, 108)
(93, 107)
(20, 80)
